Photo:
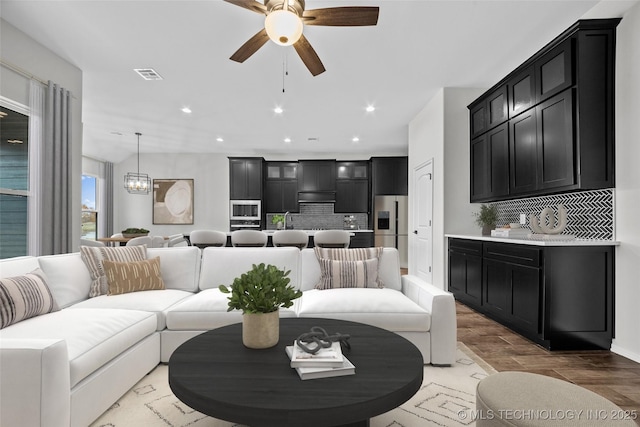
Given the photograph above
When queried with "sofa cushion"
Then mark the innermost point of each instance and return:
(347, 254)
(220, 265)
(93, 257)
(93, 337)
(385, 308)
(157, 302)
(136, 276)
(67, 276)
(348, 274)
(18, 266)
(208, 310)
(23, 297)
(179, 266)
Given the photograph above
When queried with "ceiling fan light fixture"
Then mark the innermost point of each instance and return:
(283, 27)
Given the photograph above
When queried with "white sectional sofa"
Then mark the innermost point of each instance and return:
(67, 367)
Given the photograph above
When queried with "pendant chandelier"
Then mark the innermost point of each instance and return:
(137, 183)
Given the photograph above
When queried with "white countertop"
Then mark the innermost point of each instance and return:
(313, 232)
(535, 240)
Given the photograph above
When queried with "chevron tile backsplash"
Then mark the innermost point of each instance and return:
(590, 213)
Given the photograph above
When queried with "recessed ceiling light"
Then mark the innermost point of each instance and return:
(219, 139)
(186, 110)
(355, 139)
(278, 110)
(287, 140)
(370, 109)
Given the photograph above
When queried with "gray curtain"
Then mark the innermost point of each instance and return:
(55, 235)
(107, 212)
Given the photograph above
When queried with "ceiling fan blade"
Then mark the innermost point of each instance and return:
(252, 5)
(251, 46)
(309, 56)
(350, 16)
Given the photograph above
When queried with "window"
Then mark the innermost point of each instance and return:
(89, 207)
(14, 183)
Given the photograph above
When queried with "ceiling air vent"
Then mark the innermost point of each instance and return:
(148, 73)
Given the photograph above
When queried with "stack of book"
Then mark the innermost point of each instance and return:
(328, 362)
(510, 232)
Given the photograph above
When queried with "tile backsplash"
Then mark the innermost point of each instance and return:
(319, 216)
(590, 213)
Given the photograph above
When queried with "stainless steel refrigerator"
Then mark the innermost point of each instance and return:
(391, 225)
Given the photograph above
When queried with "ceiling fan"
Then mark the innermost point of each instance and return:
(285, 20)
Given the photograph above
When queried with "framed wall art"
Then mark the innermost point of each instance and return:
(172, 201)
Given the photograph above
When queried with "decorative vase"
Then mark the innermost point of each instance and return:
(260, 330)
(486, 230)
(279, 225)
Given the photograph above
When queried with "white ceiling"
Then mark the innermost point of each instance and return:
(397, 66)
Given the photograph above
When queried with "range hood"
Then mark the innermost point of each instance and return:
(316, 196)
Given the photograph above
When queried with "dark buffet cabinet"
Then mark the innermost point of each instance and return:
(548, 126)
(245, 178)
(560, 297)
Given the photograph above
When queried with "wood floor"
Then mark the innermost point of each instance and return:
(608, 374)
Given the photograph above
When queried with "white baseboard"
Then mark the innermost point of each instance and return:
(624, 352)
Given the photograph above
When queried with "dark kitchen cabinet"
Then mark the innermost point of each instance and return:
(281, 187)
(245, 178)
(352, 187)
(390, 176)
(490, 164)
(361, 239)
(560, 297)
(317, 175)
(465, 270)
(281, 196)
(560, 105)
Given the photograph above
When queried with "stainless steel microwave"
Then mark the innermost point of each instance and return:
(244, 209)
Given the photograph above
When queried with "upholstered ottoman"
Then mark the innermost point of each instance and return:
(524, 399)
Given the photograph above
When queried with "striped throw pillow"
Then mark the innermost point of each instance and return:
(93, 258)
(125, 277)
(22, 297)
(348, 274)
(347, 254)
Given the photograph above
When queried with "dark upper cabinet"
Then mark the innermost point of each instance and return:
(556, 142)
(317, 175)
(245, 178)
(554, 70)
(497, 107)
(390, 176)
(522, 91)
(281, 187)
(352, 187)
(560, 106)
(490, 164)
(523, 153)
(281, 196)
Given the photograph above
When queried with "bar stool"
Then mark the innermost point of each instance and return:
(332, 239)
(205, 238)
(297, 238)
(248, 239)
(142, 240)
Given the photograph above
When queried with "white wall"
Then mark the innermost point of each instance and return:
(627, 195)
(441, 132)
(25, 53)
(210, 173)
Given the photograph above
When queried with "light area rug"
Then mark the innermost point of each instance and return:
(446, 398)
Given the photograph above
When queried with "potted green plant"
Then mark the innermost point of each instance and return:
(278, 220)
(259, 293)
(487, 218)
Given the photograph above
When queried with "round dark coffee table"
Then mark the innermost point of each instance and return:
(214, 373)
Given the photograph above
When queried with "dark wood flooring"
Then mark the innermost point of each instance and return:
(608, 374)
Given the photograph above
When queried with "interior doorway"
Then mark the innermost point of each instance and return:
(422, 233)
